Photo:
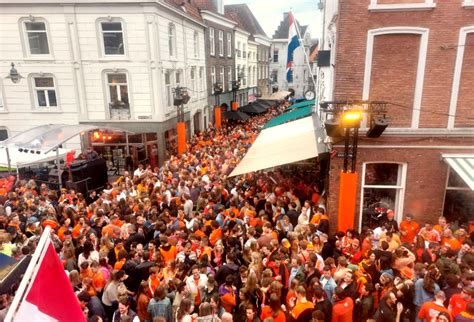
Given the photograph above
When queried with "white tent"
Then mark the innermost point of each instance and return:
(282, 144)
(25, 159)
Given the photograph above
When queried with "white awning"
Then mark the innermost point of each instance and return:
(282, 144)
(25, 159)
(463, 164)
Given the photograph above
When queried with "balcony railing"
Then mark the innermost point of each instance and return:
(119, 111)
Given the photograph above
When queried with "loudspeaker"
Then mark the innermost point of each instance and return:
(324, 58)
(377, 127)
(333, 129)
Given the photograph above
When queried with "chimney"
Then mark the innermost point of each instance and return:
(219, 4)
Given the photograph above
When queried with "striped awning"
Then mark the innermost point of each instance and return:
(463, 164)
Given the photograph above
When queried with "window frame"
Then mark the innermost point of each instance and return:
(47, 108)
(213, 75)
(221, 43)
(400, 189)
(229, 78)
(118, 85)
(212, 43)
(172, 52)
(276, 53)
(222, 76)
(101, 38)
(229, 44)
(196, 44)
(26, 42)
(402, 6)
(168, 97)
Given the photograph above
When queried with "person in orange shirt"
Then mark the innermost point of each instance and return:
(441, 226)
(458, 302)
(273, 310)
(409, 229)
(153, 280)
(216, 233)
(430, 310)
(449, 241)
(167, 251)
(302, 305)
(64, 227)
(98, 278)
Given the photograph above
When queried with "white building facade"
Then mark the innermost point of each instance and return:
(241, 64)
(112, 64)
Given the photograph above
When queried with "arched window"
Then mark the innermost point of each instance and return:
(172, 39)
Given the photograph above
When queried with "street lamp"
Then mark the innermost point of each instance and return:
(14, 76)
(217, 108)
(181, 97)
(345, 120)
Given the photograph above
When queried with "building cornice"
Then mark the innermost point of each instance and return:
(216, 18)
(242, 31)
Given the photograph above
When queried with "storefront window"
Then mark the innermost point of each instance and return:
(383, 186)
(459, 199)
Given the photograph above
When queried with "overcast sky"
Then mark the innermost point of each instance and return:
(269, 13)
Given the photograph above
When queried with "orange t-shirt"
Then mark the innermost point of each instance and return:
(342, 310)
(452, 243)
(170, 254)
(411, 229)
(267, 313)
(300, 307)
(430, 310)
(98, 281)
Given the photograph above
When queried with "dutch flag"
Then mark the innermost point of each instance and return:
(293, 43)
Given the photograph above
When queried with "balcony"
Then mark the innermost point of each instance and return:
(119, 111)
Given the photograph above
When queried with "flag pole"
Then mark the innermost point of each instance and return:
(25, 282)
(306, 58)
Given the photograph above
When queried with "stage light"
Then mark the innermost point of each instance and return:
(351, 119)
(38, 152)
(377, 127)
(332, 128)
(109, 137)
(20, 150)
(32, 151)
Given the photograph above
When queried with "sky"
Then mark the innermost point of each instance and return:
(269, 13)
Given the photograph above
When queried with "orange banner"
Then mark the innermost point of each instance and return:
(347, 201)
(235, 106)
(181, 127)
(217, 116)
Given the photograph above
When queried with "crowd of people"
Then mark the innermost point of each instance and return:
(187, 243)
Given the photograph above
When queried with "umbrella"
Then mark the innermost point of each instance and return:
(236, 116)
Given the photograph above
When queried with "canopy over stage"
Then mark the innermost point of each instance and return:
(287, 143)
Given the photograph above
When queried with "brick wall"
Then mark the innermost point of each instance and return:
(464, 109)
(425, 180)
(444, 23)
(394, 63)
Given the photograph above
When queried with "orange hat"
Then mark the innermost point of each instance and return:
(285, 243)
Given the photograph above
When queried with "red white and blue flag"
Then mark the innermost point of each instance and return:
(293, 43)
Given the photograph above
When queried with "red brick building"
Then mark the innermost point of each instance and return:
(419, 56)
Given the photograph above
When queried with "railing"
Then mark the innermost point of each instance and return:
(119, 111)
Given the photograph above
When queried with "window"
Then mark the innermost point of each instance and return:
(201, 79)
(383, 188)
(213, 75)
(249, 75)
(221, 43)
(172, 40)
(45, 93)
(211, 42)
(37, 38)
(275, 56)
(244, 48)
(238, 49)
(168, 93)
(222, 77)
(177, 78)
(274, 76)
(192, 77)
(196, 44)
(112, 35)
(244, 78)
(119, 104)
(229, 78)
(254, 75)
(229, 44)
(3, 134)
(458, 200)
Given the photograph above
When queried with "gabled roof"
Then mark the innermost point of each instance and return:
(283, 28)
(189, 9)
(245, 19)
